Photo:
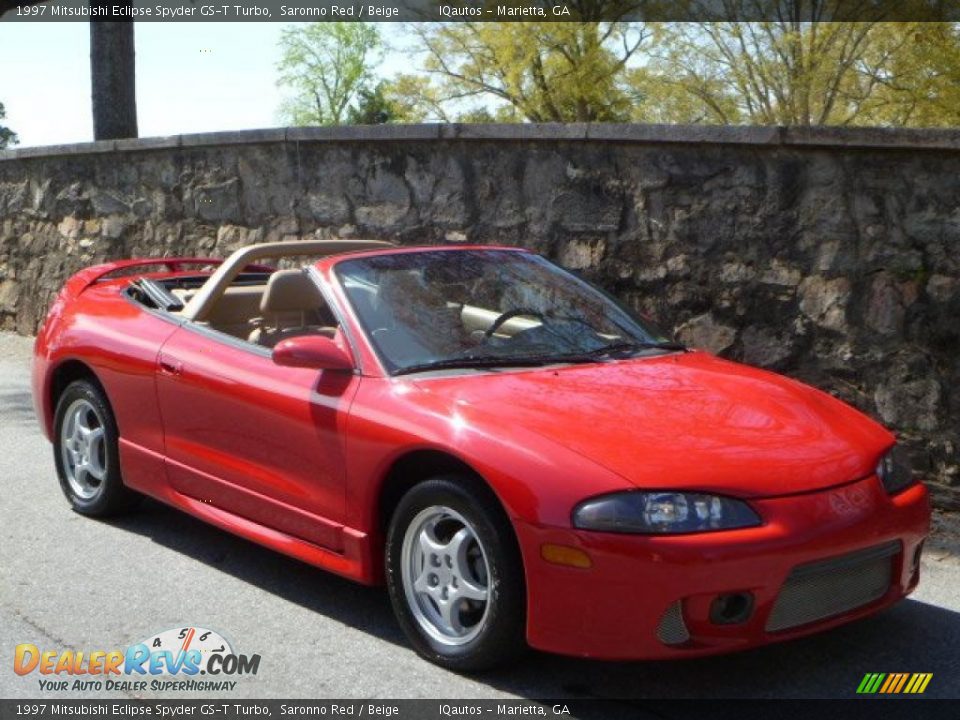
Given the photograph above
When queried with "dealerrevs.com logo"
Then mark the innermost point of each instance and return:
(172, 660)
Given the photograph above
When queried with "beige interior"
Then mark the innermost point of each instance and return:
(203, 303)
(234, 310)
(477, 319)
(291, 306)
(290, 303)
(287, 305)
(183, 294)
(294, 306)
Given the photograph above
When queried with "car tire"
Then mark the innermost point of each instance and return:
(455, 575)
(86, 453)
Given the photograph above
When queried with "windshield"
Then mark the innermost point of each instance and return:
(485, 308)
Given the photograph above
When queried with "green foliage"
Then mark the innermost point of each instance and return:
(402, 99)
(326, 66)
(545, 71)
(413, 99)
(793, 73)
(911, 75)
(371, 108)
(480, 114)
(765, 73)
(7, 136)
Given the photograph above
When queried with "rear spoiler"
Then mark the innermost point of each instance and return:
(91, 275)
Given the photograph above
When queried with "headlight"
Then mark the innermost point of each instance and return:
(894, 470)
(662, 512)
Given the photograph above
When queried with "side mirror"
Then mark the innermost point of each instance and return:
(312, 351)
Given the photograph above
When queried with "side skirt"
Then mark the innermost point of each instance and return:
(145, 471)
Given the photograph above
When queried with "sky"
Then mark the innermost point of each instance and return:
(191, 77)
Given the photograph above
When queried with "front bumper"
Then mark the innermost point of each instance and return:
(615, 608)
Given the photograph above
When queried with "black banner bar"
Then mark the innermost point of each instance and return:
(586, 709)
(482, 10)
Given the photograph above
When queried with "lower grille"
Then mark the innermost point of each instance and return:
(832, 587)
(672, 630)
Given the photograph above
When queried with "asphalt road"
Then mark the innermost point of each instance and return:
(68, 582)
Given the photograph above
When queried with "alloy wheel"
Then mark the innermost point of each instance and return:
(83, 448)
(445, 575)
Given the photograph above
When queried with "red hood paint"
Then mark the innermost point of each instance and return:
(690, 421)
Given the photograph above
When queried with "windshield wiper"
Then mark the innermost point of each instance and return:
(492, 361)
(633, 345)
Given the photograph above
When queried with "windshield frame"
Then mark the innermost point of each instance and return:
(390, 369)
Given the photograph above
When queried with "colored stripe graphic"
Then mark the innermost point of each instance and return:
(894, 683)
(891, 678)
(870, 683)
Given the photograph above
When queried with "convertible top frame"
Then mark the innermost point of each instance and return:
(200, 305)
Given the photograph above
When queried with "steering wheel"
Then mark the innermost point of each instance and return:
(508, 315)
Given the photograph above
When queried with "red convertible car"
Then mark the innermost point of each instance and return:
(517, 456)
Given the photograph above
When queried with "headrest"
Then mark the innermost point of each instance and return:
(290, 290)
(398, 287)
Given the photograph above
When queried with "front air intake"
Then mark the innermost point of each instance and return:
(832, 587)
(672, 630)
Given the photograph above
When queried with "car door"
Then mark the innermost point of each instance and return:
(253, 438)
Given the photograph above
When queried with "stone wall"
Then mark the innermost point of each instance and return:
(832, 256)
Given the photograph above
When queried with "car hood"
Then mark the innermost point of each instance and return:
(687, 421)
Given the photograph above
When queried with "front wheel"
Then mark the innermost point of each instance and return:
(455, 575)
(86, 453)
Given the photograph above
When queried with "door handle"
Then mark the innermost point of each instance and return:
(169, 366)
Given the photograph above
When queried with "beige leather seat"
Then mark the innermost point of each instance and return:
(291, 305)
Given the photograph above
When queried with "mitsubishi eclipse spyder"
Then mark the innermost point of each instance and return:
(520, 459)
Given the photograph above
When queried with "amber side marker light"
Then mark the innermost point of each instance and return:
(565, 555)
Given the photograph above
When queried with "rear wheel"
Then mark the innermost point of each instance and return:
(86, 453)
(455, 575)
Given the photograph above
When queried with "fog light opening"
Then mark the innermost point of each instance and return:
(731, 608)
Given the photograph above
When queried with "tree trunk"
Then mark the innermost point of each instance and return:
(113, 78)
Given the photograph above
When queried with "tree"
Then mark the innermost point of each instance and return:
(113, 76)
(401, 99)
(767, 73)
(7, 136)
(414, 98)
(371, 108)
(482, 114)
(326, 65)
(545, 71)
(911, 75)
(802, 73)
(112, 70)
(676, 86)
